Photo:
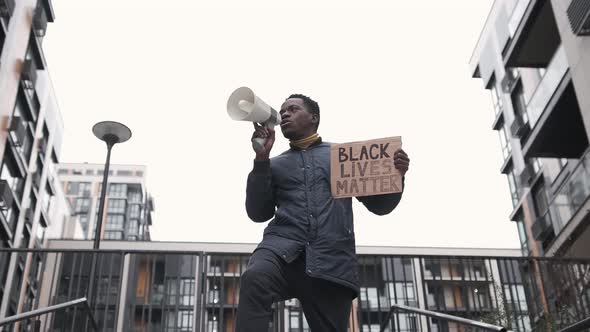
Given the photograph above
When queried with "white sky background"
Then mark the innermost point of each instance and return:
(377, 68)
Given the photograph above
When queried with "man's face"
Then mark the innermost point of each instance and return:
(296, 121)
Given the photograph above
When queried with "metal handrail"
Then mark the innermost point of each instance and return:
(579, 326)
(50, 309)
(201, 252)
(442, 316)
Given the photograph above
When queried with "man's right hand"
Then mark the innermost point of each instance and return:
(269, 135)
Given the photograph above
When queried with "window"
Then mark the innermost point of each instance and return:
(504, 141)
(82, 206)
(180, 292)
(134, 211)
(72, 188)
(515, 297)
(479, 269)
(135, 196)
(4, 262)
(513, 187)
(84, 222)
(519, 103)
(101, 172)
(297, 322)
(432, 267)
(115, 222)
(212, 324)
(10, 174)
(118, 190)
(407, 323)
(370, 298)
(62, 171)
(78, 188)
(113, 235)
(540, 199)
(132, 227)
(89, 172)
(124, 173)
(40, 233)
(401, 293)
(536, 163)
(16, 185)
(38, 172)
(46, 198)
(496, 99)
(84, 189)
(187, 290)
(22, 139)
(107, 289)
(213, 296)
(554, 167)
(524, 242)
(116, 206)
(182, 321)
(2, 35)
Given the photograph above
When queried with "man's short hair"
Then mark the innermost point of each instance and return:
(312, 106)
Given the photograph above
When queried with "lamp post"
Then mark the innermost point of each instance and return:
(111, 133)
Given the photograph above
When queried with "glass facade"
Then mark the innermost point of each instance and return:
(127, 215)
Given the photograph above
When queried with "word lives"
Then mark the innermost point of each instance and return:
(365, 168)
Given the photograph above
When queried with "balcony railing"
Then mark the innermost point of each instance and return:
(571, 196)
(516, 16)
(557, 68)
(174, 290)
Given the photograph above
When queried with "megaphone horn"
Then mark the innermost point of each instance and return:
(244, 105)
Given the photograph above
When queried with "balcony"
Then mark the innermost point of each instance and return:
(534, 34)
(556, 70)
(570, 203)
(554, 114)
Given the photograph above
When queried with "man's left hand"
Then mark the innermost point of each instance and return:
(401, 161)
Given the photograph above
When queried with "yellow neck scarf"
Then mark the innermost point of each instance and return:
(305, 143)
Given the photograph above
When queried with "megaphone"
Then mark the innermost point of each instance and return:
(244, 105)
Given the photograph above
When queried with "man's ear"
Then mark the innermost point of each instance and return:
(315, 119)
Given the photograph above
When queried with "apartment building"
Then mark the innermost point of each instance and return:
(533, 56)
(31, 206)
(128, 205)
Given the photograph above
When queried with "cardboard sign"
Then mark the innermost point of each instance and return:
(365, 168)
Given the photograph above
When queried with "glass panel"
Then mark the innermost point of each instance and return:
(517, 14)
(546, 88)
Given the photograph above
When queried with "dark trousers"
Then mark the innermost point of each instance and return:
(269, 279)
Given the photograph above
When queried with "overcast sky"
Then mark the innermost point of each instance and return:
(377, 69)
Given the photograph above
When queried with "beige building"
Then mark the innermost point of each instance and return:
(128, 206)
(534, 57)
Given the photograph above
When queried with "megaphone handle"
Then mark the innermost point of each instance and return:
(258, 143)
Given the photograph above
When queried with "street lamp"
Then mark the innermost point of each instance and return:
(112, 133)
